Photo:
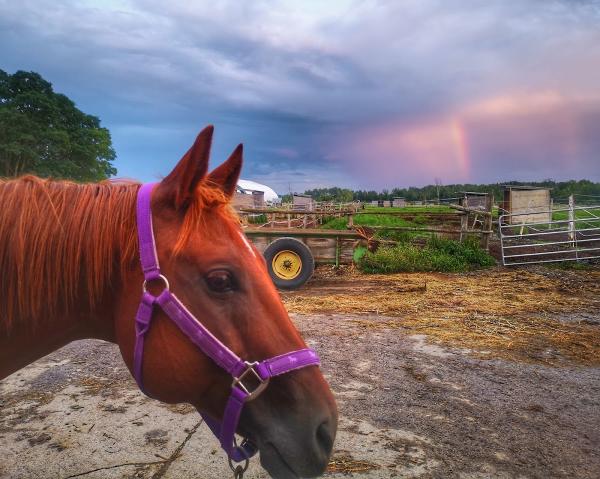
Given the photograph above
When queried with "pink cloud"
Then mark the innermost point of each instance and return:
(512, 136)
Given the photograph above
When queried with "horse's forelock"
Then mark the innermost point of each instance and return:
(208, 199)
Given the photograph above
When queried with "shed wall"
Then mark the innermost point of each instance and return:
(535, 202)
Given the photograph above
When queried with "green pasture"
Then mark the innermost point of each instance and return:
(375, 216)
(579, 214)
(372, 220)
(412, 209)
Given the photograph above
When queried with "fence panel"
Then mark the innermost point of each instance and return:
(573, 234)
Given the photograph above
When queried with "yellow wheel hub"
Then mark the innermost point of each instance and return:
(287, 264)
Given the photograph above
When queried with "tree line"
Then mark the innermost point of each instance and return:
(585, 191)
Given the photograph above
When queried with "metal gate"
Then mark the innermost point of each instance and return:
(571, 234)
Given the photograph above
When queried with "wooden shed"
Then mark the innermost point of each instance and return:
(399, 202)
(258, 198)
(248, 199)
(526, 204)
(242, 200)
(303, 202)
(474, 200)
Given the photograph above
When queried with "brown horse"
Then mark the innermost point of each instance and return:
(70, 270)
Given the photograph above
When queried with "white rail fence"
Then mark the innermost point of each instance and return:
(572, 234)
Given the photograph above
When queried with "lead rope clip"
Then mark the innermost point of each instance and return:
(239, 470)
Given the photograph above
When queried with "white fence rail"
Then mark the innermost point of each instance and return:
(573, 234)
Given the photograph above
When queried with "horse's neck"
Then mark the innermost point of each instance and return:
(32, 332)
(24, 345)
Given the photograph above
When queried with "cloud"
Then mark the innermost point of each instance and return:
(486, 140)
(311, 85)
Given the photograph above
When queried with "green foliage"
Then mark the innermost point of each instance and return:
(257, 219)
(337, 195)
(335, 224)
(442, 255)
(401, 236)
(43, 133)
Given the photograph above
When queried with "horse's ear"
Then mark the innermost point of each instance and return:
(180, 185)
(226, 175)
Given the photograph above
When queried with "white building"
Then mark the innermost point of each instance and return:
(247, 187)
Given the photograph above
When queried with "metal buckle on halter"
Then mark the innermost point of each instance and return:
(262, 383)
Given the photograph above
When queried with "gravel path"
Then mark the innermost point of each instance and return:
(408, 409)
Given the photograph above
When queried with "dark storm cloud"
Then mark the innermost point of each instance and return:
(303, 84)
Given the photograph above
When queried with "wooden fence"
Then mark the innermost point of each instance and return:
(461, 223)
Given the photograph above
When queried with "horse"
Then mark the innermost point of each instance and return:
(70, 263)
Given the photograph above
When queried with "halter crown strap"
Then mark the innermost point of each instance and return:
(199, 335)
(148, 256)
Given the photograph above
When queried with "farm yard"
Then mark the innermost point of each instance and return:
(487, 374)
(356, 239)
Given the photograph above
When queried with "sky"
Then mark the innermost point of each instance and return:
(362, 94)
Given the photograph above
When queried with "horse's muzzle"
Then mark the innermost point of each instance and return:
(306, 457)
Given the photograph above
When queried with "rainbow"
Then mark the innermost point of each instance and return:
(461, 148)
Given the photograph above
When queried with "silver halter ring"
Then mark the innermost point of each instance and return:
(159, 277)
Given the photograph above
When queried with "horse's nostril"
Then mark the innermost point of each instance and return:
(324, 437)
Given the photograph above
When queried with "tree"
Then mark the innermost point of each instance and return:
(44, 133)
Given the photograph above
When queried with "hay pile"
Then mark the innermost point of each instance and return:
(539, 315)
(348, 465)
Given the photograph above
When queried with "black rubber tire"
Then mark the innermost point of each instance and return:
(298, 247)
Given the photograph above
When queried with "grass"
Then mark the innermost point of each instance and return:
(413, 209)
(440, 255)
(370, 220)
(579, 214)
(391, 221)
(582, 265)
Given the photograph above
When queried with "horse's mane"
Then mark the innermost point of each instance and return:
(62, 239)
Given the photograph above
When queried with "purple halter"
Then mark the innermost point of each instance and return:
(261, 371)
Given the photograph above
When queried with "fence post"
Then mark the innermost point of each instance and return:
(464, 225)
(487, 223)
(572, 218)
(350, 224)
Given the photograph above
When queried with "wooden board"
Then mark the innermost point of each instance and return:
(323, 244)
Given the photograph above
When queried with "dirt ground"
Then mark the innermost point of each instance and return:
(493, 374)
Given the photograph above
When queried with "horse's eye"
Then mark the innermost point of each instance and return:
(219, 281)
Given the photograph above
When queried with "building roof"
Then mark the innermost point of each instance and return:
(248, 185)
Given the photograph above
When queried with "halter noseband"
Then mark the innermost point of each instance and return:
(261, 371)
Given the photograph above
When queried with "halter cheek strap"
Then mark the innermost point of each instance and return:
(259, 372)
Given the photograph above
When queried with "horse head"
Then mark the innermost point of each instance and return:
(222, 280)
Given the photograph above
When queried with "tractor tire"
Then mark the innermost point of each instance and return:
(290, 262)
